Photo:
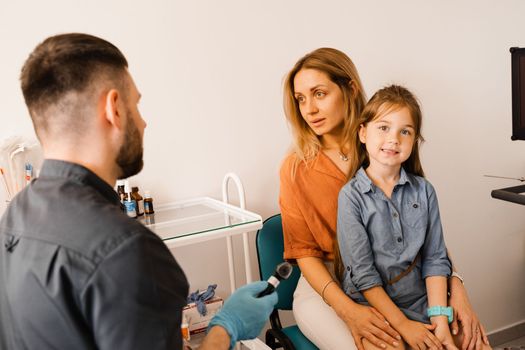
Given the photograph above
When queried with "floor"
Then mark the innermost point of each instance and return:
(516, 344)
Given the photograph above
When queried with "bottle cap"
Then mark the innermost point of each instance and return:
(134, 189)
(147, 194)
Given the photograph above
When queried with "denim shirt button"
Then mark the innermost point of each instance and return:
(399, 239)
(415, 205)
(394, 215)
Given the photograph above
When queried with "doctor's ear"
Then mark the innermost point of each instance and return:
(112, 102)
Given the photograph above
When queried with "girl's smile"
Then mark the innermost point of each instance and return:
(389, 139)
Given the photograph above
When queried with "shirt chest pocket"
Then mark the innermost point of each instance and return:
(415, 215)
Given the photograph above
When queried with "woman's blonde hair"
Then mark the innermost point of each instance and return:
(342, 71)
(389, 99)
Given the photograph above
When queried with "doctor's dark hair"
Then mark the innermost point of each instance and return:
(64, 64)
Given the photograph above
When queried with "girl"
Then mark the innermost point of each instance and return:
(389, 230)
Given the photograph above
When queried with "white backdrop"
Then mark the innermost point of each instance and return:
(211, 72)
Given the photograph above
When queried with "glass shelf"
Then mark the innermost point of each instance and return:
(189, 221)
(203, 219)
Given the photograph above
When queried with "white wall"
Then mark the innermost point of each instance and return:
(211, 71)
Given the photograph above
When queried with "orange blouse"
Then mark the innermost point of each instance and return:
(308, 204)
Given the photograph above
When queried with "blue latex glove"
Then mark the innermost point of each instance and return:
(244, 315)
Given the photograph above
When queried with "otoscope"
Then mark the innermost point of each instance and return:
(282, 272)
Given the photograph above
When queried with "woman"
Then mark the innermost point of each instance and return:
(323, 95)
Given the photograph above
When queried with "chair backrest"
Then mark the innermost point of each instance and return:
(270, 248)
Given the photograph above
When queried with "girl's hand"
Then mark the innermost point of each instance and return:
(442, 332)
(473, 332)
(419, 336)
(366, 322)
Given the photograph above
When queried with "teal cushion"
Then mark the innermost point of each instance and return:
(298, 339)
(270, 249)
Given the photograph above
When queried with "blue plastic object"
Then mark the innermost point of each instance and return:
(244, 314)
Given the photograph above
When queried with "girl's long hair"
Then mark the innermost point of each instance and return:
(389, 99)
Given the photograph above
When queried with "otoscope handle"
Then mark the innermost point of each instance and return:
(273, 282)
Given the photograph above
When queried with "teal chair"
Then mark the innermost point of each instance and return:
(270, 248)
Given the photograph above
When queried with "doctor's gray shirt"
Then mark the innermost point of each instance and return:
(77, 273)
(379, 238)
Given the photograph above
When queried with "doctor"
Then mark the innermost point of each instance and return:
(75, 271)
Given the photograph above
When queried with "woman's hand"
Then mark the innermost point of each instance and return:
(473, 332)
(419, 336)
(366, 322)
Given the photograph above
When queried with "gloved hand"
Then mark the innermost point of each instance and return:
(243, 314)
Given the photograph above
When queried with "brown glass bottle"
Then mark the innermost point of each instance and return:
(138, 199)
(148, 203)
(120, 190)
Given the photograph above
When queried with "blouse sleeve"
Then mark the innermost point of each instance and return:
(299, 242)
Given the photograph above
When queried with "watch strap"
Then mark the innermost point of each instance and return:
(441, 311)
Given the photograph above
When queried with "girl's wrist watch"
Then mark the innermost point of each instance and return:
(441, 311)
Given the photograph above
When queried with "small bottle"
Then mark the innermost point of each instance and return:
(120, 190)
(138, 199)
(129, 204)
(28, 173)
(150, 220)
(185, 328)
(148, 203)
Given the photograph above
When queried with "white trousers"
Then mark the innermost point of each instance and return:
(318, 321)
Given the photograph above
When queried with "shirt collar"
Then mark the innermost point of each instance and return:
(403, 177)
(78, 173)
(364, 184)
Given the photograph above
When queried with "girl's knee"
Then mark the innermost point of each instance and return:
(458, 341)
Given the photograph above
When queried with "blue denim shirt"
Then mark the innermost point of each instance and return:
(379, 238)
